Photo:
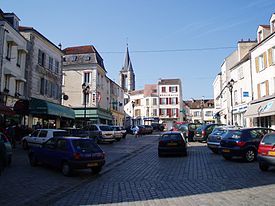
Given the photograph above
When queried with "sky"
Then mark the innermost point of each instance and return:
(166, 38)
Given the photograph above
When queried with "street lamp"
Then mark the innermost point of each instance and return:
(133, 107)
(202, 105)
(86, 91)
(230, 87)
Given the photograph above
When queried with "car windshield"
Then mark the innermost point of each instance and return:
(85, 145)
(171, 137)
(269, 139)
(61, 134)
(105, 128)
(193, 127)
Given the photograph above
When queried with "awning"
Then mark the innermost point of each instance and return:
(21, 107)
(42, 107)
(6, 110)
(261, 109)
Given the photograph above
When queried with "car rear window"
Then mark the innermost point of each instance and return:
(269, 139)
(85, 145)
(171, 137)
(105, 128)
(234, 134)
(60, 134)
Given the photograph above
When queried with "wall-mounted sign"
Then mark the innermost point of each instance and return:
(245, 94)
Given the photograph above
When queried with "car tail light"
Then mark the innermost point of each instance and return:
(202, 133)
(240, 143)
(161, 143)
(77, 156)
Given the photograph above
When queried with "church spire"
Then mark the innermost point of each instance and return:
(127, 62)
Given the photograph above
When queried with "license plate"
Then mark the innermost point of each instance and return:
(271, 153)
(92, 164)
(172, 144)
(226, 150)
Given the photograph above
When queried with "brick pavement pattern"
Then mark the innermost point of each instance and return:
(201, 178)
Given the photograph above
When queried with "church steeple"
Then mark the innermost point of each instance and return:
(127, 76)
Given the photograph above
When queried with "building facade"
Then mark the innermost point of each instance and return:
(87, 86)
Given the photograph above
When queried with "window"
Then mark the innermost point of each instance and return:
(86, 77)
(87, 58)
(41, 58)
(260, 36)
(43, 133)
(174, 112)
(273, 26)
(7, 82)
(19, 58)
(273, 55)
(208, 113)
(163, 89)
(9, 47)
(197, 114)
(17, 88)
(61, 145)
(42, 86)
(163, 112)
(50, 63)
(263, 89)
(173, 89)
(236, 97)
(162, 100)
(261, 62)
(174, 100)
(154, 101)
(147, 102)
(240, 73)
(155, 112)
(73, 58)
(56, 65)
(86, 97)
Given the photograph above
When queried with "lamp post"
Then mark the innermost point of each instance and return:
(85, 90)
(133, 107)
(202, 105)
(230, 87)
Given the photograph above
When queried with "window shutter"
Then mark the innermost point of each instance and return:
(177, 100)
(270, 57)
(167, 101)
(170, 89)
(265, 60)
(257, 64)
(267, 87)
(177, 112)
(169, 112)
(259, 90)
(176, 89)
(170, 100)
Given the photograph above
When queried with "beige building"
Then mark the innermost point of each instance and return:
(87, 86)
(13, 52)
(261, 111)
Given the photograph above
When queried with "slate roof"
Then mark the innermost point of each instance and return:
(80, 50)
(169, 82)
(127, 62)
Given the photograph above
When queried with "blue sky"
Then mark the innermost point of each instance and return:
(151, 25)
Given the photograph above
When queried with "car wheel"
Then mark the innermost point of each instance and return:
(66, 169)
(264, 167)
(25, 145)
(33, 160)
(250, 155)
(216, 151)
(96, 170)
(227, 157)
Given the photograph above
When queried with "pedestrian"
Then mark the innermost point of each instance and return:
(10, 131)
(136, 131)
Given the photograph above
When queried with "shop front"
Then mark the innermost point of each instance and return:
(44, 114)
(238, 112)
(92, 116)
(261, 112)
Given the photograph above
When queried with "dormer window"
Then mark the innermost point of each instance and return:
(73, 58)
(273, 26)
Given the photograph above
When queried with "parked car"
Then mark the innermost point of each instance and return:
(40, 136)
(117, 133)
(202, 132)
(266, 152)
(101, 133)
(68, 154)
(148, 129)
(172, 143)
(189, 129)
(76, 132)
(214, 139)
(6, 151)
(157, 127)
(243, 143)
(124, 132)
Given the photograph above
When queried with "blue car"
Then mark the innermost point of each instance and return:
(69, 154)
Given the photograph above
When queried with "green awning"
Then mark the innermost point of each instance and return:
(42, 107)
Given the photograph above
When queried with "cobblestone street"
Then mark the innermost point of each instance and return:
(135, 175)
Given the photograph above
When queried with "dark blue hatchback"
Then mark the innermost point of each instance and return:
(68, 154)
(243, 143)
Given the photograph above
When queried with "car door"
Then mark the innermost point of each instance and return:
(33, 138)
(46, 150)
(42, 137)
(59, 153)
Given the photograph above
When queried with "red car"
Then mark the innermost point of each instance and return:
(266, 152)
